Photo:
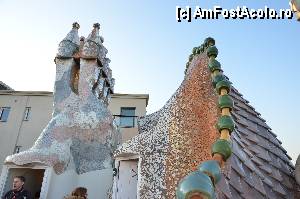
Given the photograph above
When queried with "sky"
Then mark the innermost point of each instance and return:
(148, 49)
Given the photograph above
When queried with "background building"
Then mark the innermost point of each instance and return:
(24, 114)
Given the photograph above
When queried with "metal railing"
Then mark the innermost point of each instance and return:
(125, 121)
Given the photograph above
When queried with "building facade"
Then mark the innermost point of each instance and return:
(24, 114)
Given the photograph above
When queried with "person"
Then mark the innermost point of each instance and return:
(18, 191)
(78, 193)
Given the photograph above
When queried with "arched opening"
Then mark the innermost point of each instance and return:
(74, 80)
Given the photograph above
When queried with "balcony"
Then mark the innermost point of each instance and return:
(124, 121)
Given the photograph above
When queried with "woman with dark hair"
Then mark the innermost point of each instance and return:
(78, 193)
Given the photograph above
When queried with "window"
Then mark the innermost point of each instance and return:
(4, 112)
(127, 117)
(26, 113)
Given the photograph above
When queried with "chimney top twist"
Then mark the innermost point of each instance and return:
(76, 25)
(96, 25)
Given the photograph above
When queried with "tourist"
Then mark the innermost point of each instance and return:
(78, 193)
(18, 191)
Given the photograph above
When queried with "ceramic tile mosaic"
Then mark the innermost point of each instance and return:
(81, 133)
(175, 139)
(172, 141)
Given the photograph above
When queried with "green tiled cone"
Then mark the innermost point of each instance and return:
(214, 65)
(212, 169)
(222, 147)
(223, 84)
(209, 41)
(225, 122)
(202, 48)
(225, 101)
(217, 78)
(212, 51)
(194, 50)
(195, 183)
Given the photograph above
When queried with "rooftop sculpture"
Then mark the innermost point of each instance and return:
(207, 141)
(179, 147)
(81, 133)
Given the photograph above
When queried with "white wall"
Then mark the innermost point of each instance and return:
(127, 179)
(62, 185)
(97, 183)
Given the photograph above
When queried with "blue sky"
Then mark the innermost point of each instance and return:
(149, 49)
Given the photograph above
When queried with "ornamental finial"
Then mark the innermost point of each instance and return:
(76, 25)
(96, 25)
